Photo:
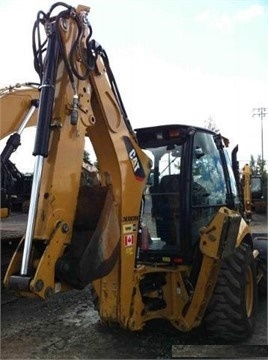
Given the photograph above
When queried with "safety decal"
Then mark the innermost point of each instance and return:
(130, 218)
(129, 240)
(129, 228)
(129, 250)
(134, 159)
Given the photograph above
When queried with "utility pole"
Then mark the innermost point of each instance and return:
(261, 112)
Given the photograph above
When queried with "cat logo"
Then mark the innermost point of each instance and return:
(134, 159)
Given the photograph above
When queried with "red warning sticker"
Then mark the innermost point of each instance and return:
(129, 239)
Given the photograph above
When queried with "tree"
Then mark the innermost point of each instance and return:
(211, 125)
(86, 157)
(258, 166)
(87, 160)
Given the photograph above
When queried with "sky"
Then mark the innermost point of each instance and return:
(175, 61)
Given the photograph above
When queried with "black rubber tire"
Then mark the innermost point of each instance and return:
(231, 313)
(263, 283)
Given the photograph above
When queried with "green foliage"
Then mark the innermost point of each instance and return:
(86, 157)
(258, 166)
(87, 160)
(211, 125)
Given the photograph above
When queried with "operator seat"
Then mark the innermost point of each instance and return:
(170, 184)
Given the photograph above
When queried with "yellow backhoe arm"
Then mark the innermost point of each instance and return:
(246, 185)
(15, 105)
(74, 105)
(18, 106)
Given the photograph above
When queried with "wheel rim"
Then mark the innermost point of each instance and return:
(249, 292)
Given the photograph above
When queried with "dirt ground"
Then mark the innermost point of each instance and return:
(67, 327)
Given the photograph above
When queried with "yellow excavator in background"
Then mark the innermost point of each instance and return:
(253, 196)
(160, 235)
(246, 188)
(18, 111)
(259, 203)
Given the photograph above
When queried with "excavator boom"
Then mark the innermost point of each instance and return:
(78, 99)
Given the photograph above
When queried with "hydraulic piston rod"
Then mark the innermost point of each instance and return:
(41, 141)
(32, 213)
(13, 141)
(34, 105)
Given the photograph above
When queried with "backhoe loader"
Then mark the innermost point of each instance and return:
(161, 234)
(253, 194)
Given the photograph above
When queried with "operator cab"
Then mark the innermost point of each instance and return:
(191, 178)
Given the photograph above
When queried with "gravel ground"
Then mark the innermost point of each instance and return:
(67, 327)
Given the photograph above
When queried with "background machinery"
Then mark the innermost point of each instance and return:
(159, 234)
(253, 192)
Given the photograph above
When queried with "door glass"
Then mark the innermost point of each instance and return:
(231, 178)
(162, 198)
(255, 184)
(208, 183)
